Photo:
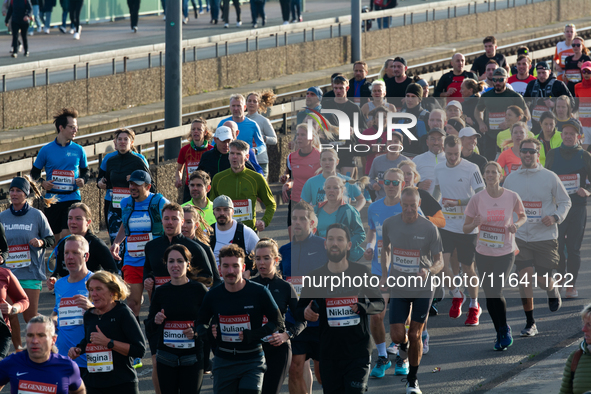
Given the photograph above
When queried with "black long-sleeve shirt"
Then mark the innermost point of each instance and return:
(214, 161)
(234, 312)
(18, 9)
(154, 267)
(99, 256)
(120, 166)
(285, 297)
(344, 334)
(119, 324)
(181, 306)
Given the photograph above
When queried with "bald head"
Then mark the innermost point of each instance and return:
(458, 61)
(233, 126)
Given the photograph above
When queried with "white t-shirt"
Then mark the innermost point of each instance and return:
(426, 163)
(457, 183)
(223, 238)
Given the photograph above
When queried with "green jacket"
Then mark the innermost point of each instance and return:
(243, 186)
(582, 380)
(555, 142)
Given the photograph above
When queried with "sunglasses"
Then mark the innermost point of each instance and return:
(388, 182)
(498, 79)
(576, 45)
(531, 151)
(586, 71)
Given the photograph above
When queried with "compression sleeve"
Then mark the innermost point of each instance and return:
(84, 174)
(35, 173)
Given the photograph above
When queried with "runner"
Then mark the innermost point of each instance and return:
(359, 85)
(277, 346)
(513, 114)
(549, 137)
(457, 181)
(427, 161)
(39, 365)
(257, 104)
(412, 105)
(67, 170)
(233, 314)
(28, 235)
(572, 164)
(407, 235)
(564, 49)
(382, 163)
(583, 93)
(519, 80)
(491, 212)
(397, 84)
(378, 99)
(200, 139)
(546, 203)
(112, 338)
(469, 137)
(345, 343)
(71, 299)
(340, 87)
(249, 129)
(199, 186)
(509, 159)
(490, 53)
(180, 353)
(573, 63)
(10, 289)
(449, 84)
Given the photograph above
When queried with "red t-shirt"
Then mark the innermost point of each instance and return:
(190, 158)
(302, 168)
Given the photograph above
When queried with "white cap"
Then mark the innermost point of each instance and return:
(468, 132)
(224, 133)
(454, 103)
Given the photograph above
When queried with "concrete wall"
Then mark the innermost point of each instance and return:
(135, 88)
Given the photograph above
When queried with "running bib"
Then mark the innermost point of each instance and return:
(533, 210)
(379, 246)
(571, 182)
(573, 75)
(406, 260)
(339, 312)
(296, 282)
(242, 210)
(230, 326)
(70, 314)
(63, 180)
(98, 358)
(161, 280)
(28, 387)
(452, 213)
(515, 167)
(174, 336)
(192, 166)
(136, 244)
(585, 110)
(18, 256)
(495, 119)
(491, 236)
(538, 111)
(119, 193)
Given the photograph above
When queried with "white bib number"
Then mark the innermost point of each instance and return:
(452, 213)
(406, 260)
(161, 280)
(584, 110)
(571, 182)
(18, 256)
(573, 75)
(192, 166)
(174, 336)
(495, 119)
(69, 313)
(242, 210)
(231, 326)
(29, 387)
(119, 193)
(538, 111)
(99, 358)
(491, 236)
(136, 244)
(296, 282)
(533, 210)
(339, 312)
(63, 180)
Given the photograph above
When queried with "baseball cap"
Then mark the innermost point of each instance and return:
(224, 133)
(223, 202)
(586, 65)
(437, 130)
(454, 103)
(500, 72)
(316, 90)
(574, 123)
(468, 132)
(139, 177)
(542, 65)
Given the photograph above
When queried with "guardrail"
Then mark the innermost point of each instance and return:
(404, 15)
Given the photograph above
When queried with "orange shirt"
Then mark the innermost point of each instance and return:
(562, 51)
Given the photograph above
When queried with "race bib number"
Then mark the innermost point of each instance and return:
(339, 312)
(231, 326)
(136, 244)
(533, 210)
(491, 236)
(63, 180)
(242, 210)
(452, 213)
(406, 260)
(161, 280)
(18, 256)
(515, 167)
(571, 182)
(70, 314)
(29, 387)
(192, 166)
(296, 282)
(119, 193)
(538, 111)
(379, 246)
(174, 336)
(495, 119)
(573, 76)
(585, 110)
(99, 358)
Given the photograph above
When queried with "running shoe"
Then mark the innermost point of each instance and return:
(529, 330)
(571, 292)
(554, 300)
(392, 349)
(473, 316)
(433, 311)
(137, 363)
(505, 337)
(401, 367)
(425, 338)
(238, 24)
(456, 306)
(14, 54)
(379, 371)
(413, 387)
(63, 29)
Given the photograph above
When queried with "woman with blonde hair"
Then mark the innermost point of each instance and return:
(256, 105)
(573, 63)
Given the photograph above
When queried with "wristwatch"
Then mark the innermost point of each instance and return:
(111, 344)
(556, 218)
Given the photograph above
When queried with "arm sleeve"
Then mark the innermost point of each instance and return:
(84, 174)
(35, 172)
(135, 337)
(200, 260)
(437, 192)
(17, 294)
(269, 133)
(266, 195)
(294, 328)
(3, 244)
(101, 174)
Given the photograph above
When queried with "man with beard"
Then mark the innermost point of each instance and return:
(233, 314)
(345, 344)
(199, 186)
(396, 86)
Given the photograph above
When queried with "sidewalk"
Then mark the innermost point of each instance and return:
(543, 377)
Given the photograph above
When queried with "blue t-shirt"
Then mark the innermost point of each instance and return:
(70, 318)
(57, 375)
(249, 131)
(313, 190)
(140, 227)
(62, 166)
(377, 213)
(109, 192)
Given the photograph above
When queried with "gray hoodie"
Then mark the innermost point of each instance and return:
(543, 194)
